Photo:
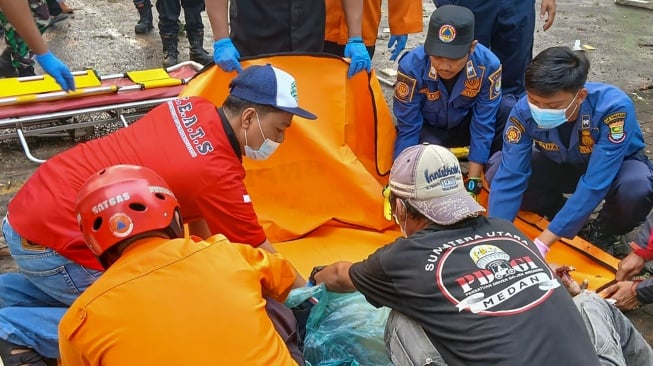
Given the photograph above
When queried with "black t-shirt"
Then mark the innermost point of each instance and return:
(482, 293)
(263, 27)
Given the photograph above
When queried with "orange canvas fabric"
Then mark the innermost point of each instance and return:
(319, 197)
(404, 16)
(180, 302)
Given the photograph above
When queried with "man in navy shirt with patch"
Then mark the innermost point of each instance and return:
(464, 289)
(448, 92)
(569, 136)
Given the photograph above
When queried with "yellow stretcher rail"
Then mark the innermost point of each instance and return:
(39, 84)
(23, 90)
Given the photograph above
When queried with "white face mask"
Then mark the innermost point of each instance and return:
(265, 150)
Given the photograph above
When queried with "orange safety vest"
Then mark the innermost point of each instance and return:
(405, 16)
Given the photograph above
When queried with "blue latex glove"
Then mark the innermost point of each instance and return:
(399, 42)
(57, 69)
(226, 55)
(360, 59)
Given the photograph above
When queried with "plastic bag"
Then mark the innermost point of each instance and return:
(342, 329)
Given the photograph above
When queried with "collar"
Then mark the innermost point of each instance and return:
(231, 135)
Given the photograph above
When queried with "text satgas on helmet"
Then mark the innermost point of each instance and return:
(112, 201)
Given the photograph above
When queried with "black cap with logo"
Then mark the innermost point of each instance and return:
(450, 33)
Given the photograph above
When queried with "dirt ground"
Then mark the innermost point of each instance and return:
(100, 35)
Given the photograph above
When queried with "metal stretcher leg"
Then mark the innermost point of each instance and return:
(23, 142)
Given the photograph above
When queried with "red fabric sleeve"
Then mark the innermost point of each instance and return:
(228, 210)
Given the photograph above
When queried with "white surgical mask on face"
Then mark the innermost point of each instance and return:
(550, 118)
(265, 150)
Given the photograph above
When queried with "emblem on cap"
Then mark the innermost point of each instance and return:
(447, 33)
(293, 90)
(120, 225)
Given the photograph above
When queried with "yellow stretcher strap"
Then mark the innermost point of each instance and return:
(13, 87)
(153, 78)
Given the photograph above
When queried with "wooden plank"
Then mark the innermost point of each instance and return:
(646, 4)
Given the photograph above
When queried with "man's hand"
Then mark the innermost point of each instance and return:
(629, 267)
(57, 69)
(570, 284)
(548, 13)
(226, 55)
(624, 293)
(399, 43)
(360, 58)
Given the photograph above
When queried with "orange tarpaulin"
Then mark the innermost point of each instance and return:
(319, 196)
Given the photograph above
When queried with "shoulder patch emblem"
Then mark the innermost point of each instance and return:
(617, 133)
(405, 88)
(513, 134)
(495, 83)
(614, 117)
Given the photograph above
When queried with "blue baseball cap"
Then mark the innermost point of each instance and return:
(268, 85)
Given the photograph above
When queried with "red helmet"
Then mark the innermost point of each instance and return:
(122, 201)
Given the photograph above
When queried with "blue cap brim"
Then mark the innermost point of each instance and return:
(298, 112)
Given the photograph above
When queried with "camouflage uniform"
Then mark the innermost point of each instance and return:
(21, 55)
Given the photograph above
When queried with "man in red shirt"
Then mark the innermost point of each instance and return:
(196, 147)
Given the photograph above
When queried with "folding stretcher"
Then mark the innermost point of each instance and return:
(36, 106)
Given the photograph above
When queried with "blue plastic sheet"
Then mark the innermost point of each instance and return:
(342, 329)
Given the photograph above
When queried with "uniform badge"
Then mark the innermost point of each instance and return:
(120, 225)
(431, 96)
(472, 87)
(471, 71)
(586, 122)
(513, 134)
(548, 146)
(614, 117)
(405, 88)
(495, 84)
(433, 73)
(617, 133)
(586, 138)
(517, 124)
(447, 33)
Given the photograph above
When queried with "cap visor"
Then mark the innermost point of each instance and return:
(452, 51)
(298, 112)
(449, 209)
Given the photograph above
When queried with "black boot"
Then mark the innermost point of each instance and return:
(170, 53)
(7, 70)
(25, 70)
(144, 24)
(197, 51)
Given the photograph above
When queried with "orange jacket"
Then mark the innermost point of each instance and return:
(177, 302)
(405, 16)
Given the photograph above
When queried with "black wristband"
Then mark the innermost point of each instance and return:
(315, 270)
(474, 185)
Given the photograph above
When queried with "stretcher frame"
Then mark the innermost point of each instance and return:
(49, 123)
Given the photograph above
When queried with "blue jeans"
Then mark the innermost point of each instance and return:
(614, 337)
(33, 301)
(407, 344)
